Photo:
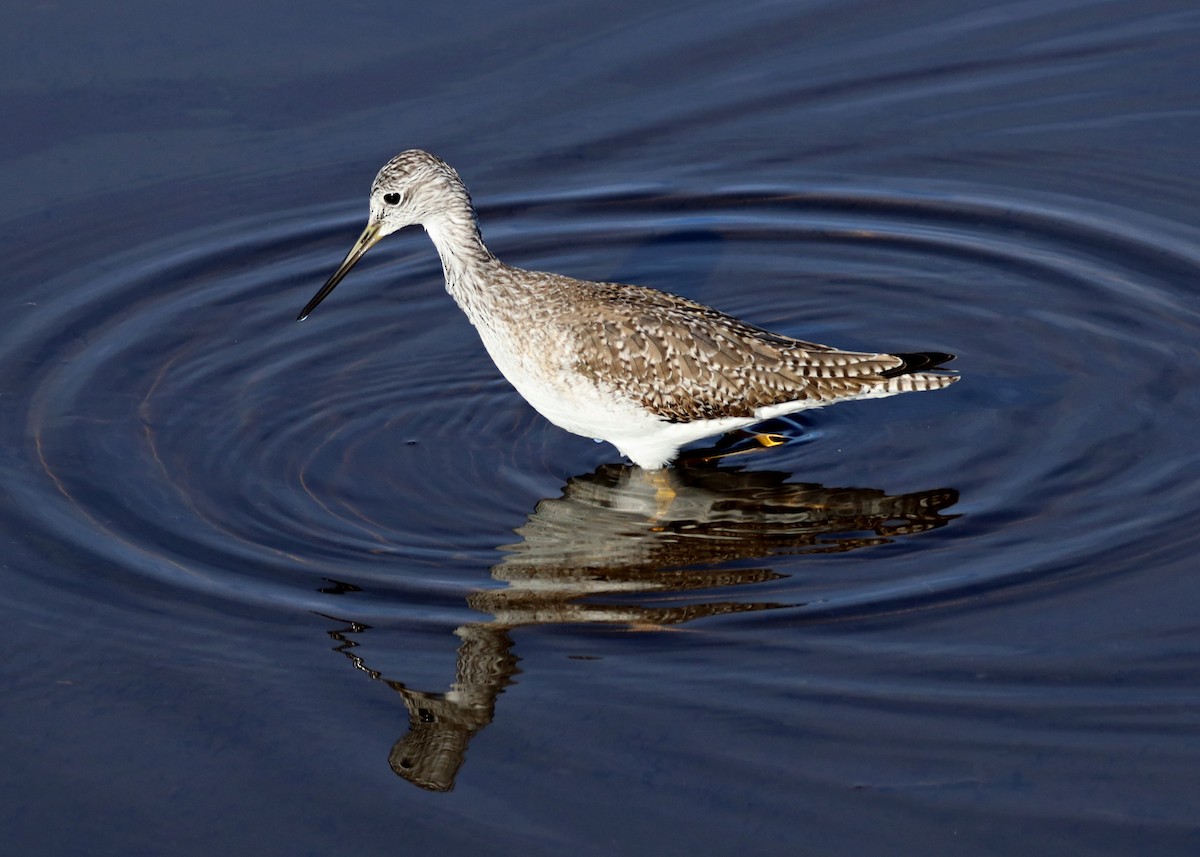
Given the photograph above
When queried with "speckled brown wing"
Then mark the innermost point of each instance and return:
(684, 361)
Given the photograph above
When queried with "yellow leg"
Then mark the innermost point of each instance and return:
(765, 440)
(770, 439)
(664, 490)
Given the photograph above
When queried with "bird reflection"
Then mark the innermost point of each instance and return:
(610, 550)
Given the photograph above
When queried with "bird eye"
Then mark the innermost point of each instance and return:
(391, 198)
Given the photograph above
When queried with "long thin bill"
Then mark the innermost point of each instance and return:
(370, 236)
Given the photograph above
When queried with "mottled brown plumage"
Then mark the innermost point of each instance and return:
(684, 361)
(643, 369)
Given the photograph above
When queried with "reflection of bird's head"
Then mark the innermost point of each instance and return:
(431, 752)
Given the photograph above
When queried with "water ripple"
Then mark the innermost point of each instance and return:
(231, 451)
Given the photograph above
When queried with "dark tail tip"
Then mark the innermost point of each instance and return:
(917, 361)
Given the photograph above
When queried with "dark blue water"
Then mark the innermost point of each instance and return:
(334, 587)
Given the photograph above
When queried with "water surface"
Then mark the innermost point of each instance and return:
(279, 588)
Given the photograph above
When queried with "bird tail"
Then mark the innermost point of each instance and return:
(913, 375)
(917, 361)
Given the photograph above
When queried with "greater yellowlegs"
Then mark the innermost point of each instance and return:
(642, 369)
